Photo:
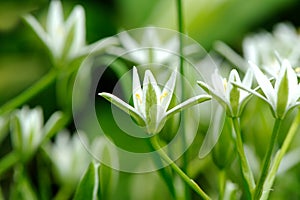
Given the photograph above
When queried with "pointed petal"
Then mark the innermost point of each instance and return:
(167, 92)
(149, 79)
(188, 103)
(233, 77)
(252, 92)
(38, 29)
(248, 78)
(221, 99)
(137, 92)
(76, 21)
(55, 27)
(123, 106)
(264, 84)
(292, 83)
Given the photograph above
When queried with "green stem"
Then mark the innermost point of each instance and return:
(29, 93)
(190, 182)
(8, 161)
(246, 170)
(222, 183)
(280, 154)
(267, 160)
(167, 176)
(180, 24)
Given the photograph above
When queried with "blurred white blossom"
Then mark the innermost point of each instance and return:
(65, 39)
(69, 157)
(28, 129)
(264, 48)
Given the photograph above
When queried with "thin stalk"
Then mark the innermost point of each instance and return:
(267, 160)
(222, 183)
(29, 93)
(246, 170)
(280, 154)
(167, 177)
(190, 182)
(180, 23)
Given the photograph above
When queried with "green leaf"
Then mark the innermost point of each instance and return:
(88, 186)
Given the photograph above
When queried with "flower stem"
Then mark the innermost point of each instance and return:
(280, 154)
(29, 93)
(222, 183)
(190, 182)
(180, 23)
(246, 170)
(267, 159)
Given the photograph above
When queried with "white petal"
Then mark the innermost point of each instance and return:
(36, 26)
(167, 92)
(248, 78)
(252, 92)
(293, 83)
(55, 27)
(76, 19)
(264, 84)
(233, 77)
(123, 106)
(137, 92)
(149, 79)
(188, 103)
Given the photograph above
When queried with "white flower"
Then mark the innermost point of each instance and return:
(150, 103)
(285, 93)
(69, 157)
(262, 48)
(65, 39)
(149, 49)
(229, 96)
(29, 131)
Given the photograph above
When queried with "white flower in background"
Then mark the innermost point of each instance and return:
(264, 48)
(69, 157)
(150, 103)
(28, 130)
(229, 96)
(65, 39)
(149, 49)
(285, 93)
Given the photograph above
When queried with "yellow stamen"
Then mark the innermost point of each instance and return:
(163, 96)
(138, 97)
(225, 83)
(297, 70)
